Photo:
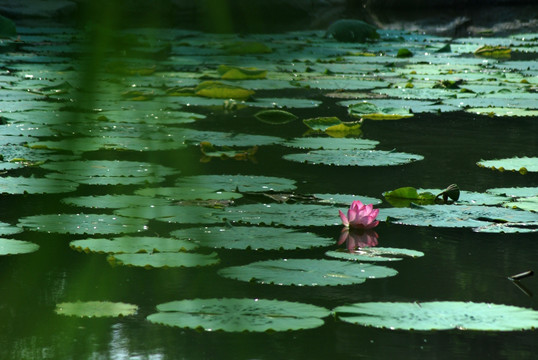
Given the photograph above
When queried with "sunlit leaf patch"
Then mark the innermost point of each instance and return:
(163, 259)
(250, 237)
(375, 254)
(354, 157)
(239, 315)
(82, 224)
(315, 143)
(12, 247)
(519, 164)
(132, 244)
(439, 315)
(306, 272)
(93, 309)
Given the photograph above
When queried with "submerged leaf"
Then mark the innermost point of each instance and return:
(275, 117)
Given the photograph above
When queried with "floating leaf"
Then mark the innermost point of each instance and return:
(368, 110)
(306, 272)
(354, 158)
(110, 168)
(82, 224)
(11, 247)
(130, 244)
(405, 195)
(92, 309)
(183, 193)
(439, 315)
(404, 53)
(240, 73)
(374, 254)
(346, 199)
(224, 152)
(348, 30)
(502, 111)
(31, 185)
(316, 143)
(255, 238)
(239, 315)
(216, 89)
(114, 201)
(164, 259)
(275, 117)
(497, 52)
(181, 214)
(322, 123)
(283, 214)
(529, 203)
(241, 183)
(519, 164)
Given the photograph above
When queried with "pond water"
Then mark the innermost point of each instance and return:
(83, 122)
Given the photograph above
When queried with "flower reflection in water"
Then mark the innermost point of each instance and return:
(357, 238)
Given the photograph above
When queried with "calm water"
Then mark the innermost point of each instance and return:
(458, 265)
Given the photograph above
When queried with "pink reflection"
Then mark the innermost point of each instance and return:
(357, 238)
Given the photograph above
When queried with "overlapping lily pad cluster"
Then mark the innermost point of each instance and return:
(60, 134)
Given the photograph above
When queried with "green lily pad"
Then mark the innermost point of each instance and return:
(91, 309)
(164, 260)
(439, 315)
(306, 272)
(331, 125)
(183, 193)
(32, 185)
(502, 111)
(370, 111)
(216, 89)
(114, 201)
(241, 183)
(519, 164)
(514, 192)
(182, 214)
(354, 157)
(240, 73)
(528, 203)
(275, 116)
(255, 238)
(346, 199)
(82, 224)
(316, 143)
(283, 214)
(110, 168)
(405, 195)
(374, 254)
(12, 247)
(130, 244)
(456, 215)
(195, 137)
(239, 315)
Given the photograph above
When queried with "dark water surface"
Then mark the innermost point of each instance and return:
(459, 264)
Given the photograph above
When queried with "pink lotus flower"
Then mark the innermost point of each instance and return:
(360, 216)
(356, 239)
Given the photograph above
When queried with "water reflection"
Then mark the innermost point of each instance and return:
(357, 238)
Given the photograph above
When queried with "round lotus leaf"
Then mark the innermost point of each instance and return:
(164, 259)
(439, 315)
(472, 198)
(82, 224)
(92, 309)
(114, 201)
(283, 214)
(239, 315)
(109, 168)
(346, 199)
(31, 185)
(216, 138)
(184, 193)
(354, 157)
(508, 228)
(514, 192)
(241, 183)
(7, 229)
(131, 244)
(316, 143)
(374, 254)
(307, 272)
(11, 247)
(519, 164)
(502, 111)
(455, 215)
(106, 180)
(173, 213)
(255, 238)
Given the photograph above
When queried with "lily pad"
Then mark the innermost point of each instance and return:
(241, 183)
(307, 272)
(283, 214)
(374, 254)
(82, 224)
(11, 247)
(346, 199)
(316, 143)
(182, 214)
(130, 244)
(275, 116)
(183, 193)
(110, 168)
(439, 315)
(216, 89)
(32, 185)
(370, 111)
(519, 164)
(164, 260)
(354, 157)
(114, 201)
(255, 238)
(239, 315)
(91, 309)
